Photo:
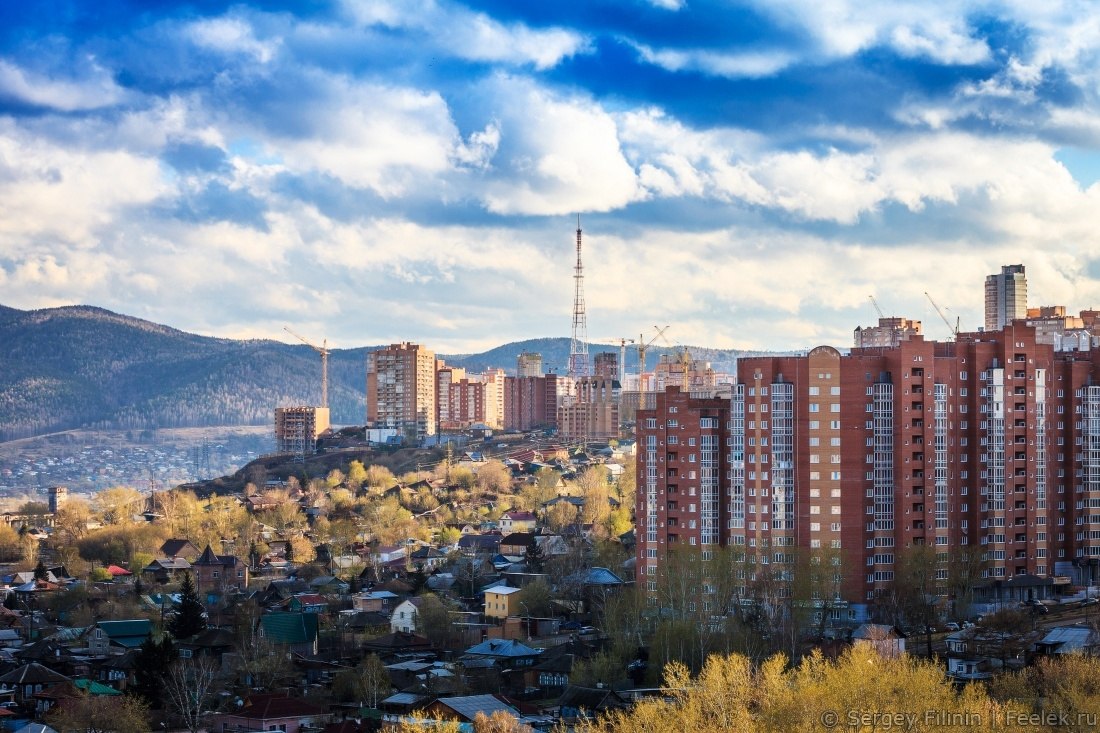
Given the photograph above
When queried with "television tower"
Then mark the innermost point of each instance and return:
(578, 346)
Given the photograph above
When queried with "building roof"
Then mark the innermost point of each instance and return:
(33, 673)
(502, 590)
(168, 563)
(95, 688)
(378, 595)
(602, 576)
(503, 648)
(521, 516)
(1067, 639)
(208, 558)
(272, 706)
(519, 538)
(129, 633)
(173, 547)
(117, 571)
(468, 706)
(290, 628)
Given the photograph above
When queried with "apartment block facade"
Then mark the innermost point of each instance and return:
(401, 389)
(532, 402)
(991, 441)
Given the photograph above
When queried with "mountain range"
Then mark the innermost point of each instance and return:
(82, 366)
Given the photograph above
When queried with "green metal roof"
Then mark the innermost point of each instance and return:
(290, 628)
(94, 688)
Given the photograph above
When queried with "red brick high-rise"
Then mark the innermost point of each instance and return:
(990, 442)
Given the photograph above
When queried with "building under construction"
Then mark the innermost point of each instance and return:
(297, 429)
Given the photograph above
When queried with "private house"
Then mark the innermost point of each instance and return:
(271, 712)
(502, 602)
(1068, 640)
(498, 664)
(328, 585)
(29, 680)
(378, 601)
(404, 616)
(216, 574)
(480, 544)
(518, 522)
(963, 660)
(211, 643)
(887, 640)
(427, 558)
(465, 708)
(106, 637)
(578, 704)
(296, 631)
(180, 549)
(165, 570)
(308, 603)
(516, 544)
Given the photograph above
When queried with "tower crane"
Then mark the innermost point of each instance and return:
(324, 352)
(622, 342)
(642, 346)
(877, 309)
(953, 329)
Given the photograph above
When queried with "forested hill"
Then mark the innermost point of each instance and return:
(80, 366)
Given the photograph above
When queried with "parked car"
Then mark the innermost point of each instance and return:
(951, 626)
(1090, 602)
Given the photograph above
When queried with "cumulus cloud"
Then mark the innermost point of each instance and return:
(94, 88)
(470, 35)
(231, 36)
(733, 65)
(557, 154)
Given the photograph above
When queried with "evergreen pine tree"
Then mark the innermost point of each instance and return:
(40, 571)
(152, 664)
(534, 557)
(189, 619)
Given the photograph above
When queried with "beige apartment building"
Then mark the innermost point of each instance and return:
(401, 389)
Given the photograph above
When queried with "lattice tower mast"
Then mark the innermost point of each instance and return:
(578, 347)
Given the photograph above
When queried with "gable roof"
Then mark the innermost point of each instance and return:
(290, 628)
(502, 648)
(468, 706)
(173, 547)
(276, 705)
(208, 558)
(127, 633)
(33, 673)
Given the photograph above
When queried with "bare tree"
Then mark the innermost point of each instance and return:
(189, 687)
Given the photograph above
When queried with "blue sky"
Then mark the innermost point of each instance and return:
(366, 172)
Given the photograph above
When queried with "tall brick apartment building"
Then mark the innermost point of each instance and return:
(991, 441)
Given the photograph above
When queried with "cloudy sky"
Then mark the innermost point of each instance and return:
(747, 171)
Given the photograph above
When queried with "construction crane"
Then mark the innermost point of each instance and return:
(953, 329)
(642, 346)
(621, 342)
(324, 352)
(877, 309)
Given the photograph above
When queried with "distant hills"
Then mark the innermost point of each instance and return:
(81, 366)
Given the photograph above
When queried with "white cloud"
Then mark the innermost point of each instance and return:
(716, 63)
(557, 155)
(939, 32)
(94, 88)
(231, 35)
(470, 35)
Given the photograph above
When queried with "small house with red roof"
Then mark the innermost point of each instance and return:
(517, 522)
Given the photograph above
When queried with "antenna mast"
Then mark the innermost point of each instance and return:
(578, 347)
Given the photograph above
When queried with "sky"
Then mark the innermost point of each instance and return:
(746, 172)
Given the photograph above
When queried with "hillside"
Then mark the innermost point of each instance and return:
(81, 366)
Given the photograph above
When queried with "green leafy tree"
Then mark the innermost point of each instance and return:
(190, 618)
